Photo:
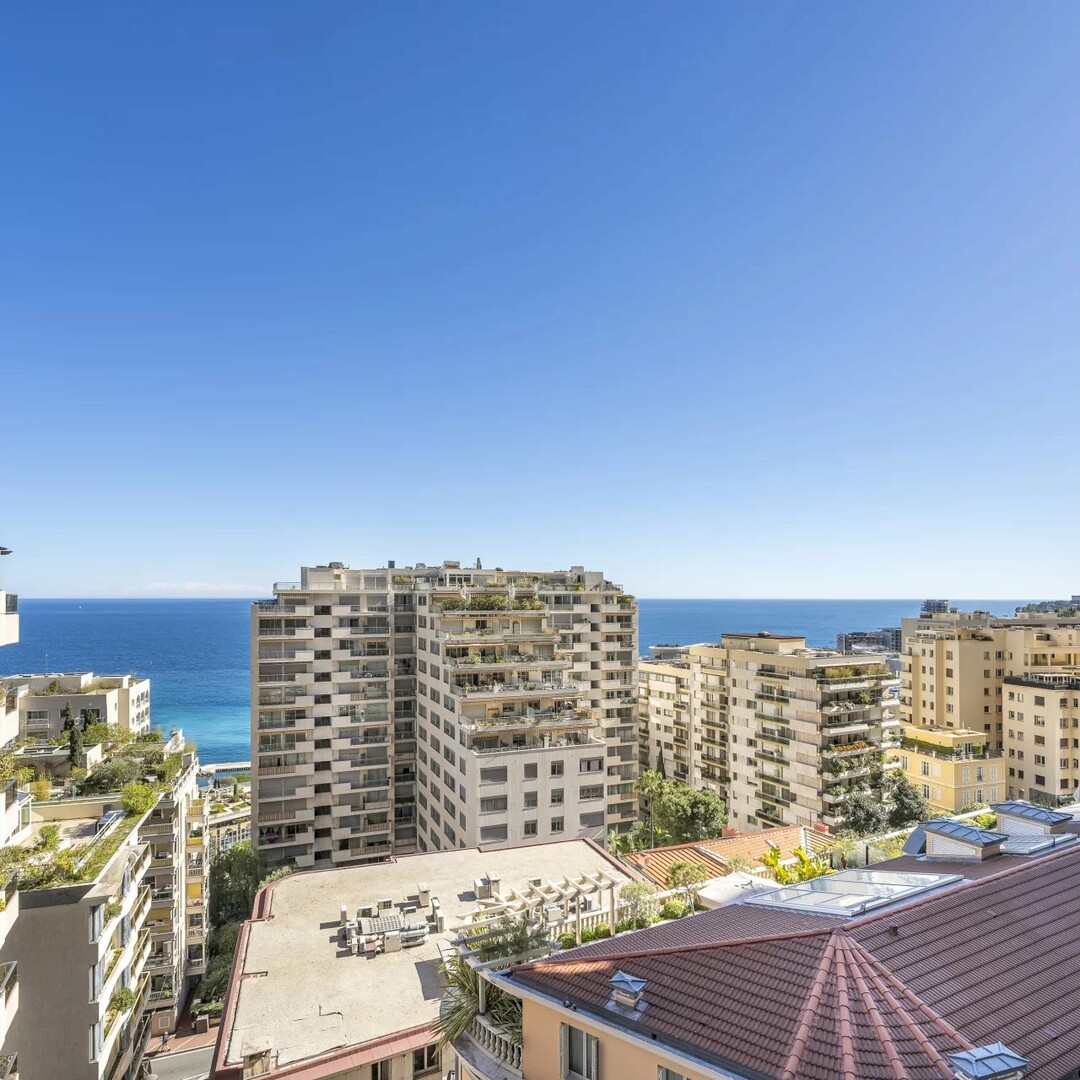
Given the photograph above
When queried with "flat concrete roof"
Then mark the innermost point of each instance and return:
(301, 994)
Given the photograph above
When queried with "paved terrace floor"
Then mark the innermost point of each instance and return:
(302, 994)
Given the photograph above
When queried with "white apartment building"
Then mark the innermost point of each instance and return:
(123, 700)
(106, 946)
(14, 827)
(423, 708)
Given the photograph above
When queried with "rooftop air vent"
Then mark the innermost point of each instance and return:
(991, 1062)
(626, 992)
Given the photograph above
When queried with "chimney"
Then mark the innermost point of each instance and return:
(991, 1062)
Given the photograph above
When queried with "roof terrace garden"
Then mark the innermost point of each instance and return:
(492, 602)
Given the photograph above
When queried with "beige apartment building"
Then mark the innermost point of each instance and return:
(1009, 684)
(785, 734)
(123, 700)
(421, 708)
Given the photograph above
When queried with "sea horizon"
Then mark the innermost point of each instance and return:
(196, 650)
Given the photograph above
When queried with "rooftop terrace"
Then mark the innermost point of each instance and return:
(313, 996)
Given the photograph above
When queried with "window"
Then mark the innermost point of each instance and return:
(579, 1052)
(530, 828)
(667, 1074)
(493, 806)
(425, 1058)
(380, 1070)
(97, 921)
(595, 820)
(492, 834)
(557, 796)
(596, 791)
(530, 800)
(95, 1041)
(493, 776)
(530, 772)
(593, 765)
(556, 824)
(556, 768)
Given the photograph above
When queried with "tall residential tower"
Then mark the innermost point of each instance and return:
(420, 708)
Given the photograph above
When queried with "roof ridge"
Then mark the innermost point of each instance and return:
(671, 950)
(852, 957)
(892, 912)
(881, 972)
(809, 1011)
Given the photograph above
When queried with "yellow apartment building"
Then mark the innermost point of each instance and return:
(1011, 680)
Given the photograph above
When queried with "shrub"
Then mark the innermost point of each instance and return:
(41, 789)
(138, 798)
(112, 910)
(567, 941)
(674, 909)
(123, 999)
(597, 933)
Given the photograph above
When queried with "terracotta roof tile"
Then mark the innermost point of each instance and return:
(883, 997)
(656, 863)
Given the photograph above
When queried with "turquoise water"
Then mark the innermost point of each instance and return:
(196, 651)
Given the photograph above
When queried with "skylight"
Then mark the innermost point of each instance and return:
(851, 892)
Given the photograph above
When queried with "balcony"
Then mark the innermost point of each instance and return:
(503, 691)
(778, 735)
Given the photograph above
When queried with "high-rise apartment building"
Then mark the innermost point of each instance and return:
(785, 734)
(423, 708)
(1008, 685)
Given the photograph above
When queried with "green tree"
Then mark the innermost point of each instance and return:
(111, 776)
(76, 751)
(686, 815)
(652, 787)
(803, 868)
(509, 936)
(661, 768)
(688, 877)
(233, 881)
(908, 805)
(68, 713)
(461, 1003)
(864, 815)
(138, 798)
(639, 899)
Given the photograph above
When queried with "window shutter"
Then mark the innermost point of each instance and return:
(564, 1050)
(592, 1046)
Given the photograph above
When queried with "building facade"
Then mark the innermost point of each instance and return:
(1011, 683)
(14, 826)
(422, 708)
(123, 700)
(783, 733)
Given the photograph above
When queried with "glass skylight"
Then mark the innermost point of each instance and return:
(851, 892)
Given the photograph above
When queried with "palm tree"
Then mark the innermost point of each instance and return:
(651, 786)
(461, 1003)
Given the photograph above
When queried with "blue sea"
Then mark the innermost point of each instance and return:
(196, 651)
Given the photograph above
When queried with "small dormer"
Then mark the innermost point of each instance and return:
(1018, 818)
(991, 1062)
(627, 992)
(948, 839)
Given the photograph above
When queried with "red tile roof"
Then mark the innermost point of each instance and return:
(656, 863)
(882, 997)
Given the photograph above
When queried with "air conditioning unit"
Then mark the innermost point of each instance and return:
(482, 888)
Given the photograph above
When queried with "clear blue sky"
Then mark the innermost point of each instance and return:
(774, 299)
